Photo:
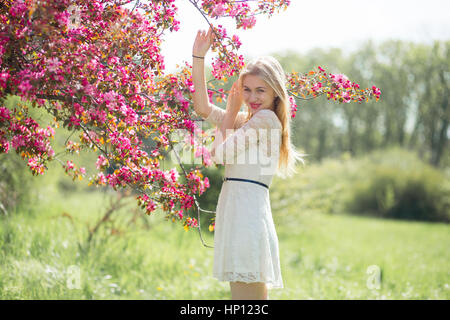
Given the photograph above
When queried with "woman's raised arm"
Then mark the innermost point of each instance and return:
(202, 43)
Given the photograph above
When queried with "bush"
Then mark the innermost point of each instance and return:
(392, 183)
(396, 184)
(15, 183)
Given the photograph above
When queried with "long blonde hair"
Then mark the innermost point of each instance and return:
(270, 70)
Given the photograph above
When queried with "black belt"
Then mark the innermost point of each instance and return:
(247, 180)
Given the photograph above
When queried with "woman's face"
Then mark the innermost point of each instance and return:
(257, 94)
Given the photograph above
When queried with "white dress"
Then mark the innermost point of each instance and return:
(245, 240)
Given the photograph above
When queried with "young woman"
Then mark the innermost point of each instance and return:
(245, 241)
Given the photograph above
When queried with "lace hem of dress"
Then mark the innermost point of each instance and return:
(248, 277)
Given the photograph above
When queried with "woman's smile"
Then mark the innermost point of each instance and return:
(255, 105)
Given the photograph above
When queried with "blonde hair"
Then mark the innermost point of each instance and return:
(270, 70)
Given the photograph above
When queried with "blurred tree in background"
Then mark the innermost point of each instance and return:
(413, 111)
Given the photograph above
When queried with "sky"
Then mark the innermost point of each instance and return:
(321, 23)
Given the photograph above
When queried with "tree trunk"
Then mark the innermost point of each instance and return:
(442, 139)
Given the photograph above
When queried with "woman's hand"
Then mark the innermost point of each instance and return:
(202, 43)
(235, 99)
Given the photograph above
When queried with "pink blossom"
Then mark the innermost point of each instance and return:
(69, 165)
(237, 42)
(3, 79)
(247, 22)
(4, 114)
(317, 86)
(18, 141)
(25, 87)
(174, 175)
(219, 10)
(293, 106)
(101, 163)
(101, 179)
(74, 121)
(110, 98)
(376, 91)
(346, 97)
(35, 166)
(18, 9)
(340, 78)
(151, 206)
(4, 145)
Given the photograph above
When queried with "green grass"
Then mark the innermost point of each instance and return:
(327, 257)
(323, 255)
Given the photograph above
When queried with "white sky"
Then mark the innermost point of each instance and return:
(320, 23)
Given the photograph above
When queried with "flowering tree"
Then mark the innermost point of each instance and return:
(96, 67)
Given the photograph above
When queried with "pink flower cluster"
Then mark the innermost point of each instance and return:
(228, 62)
(293, 106)
(146, 203)
(73, 147)
(336, 87)
(198, 185)
(243, 12)
(102, 162)
(27, 138)
(72, 170)
(190, 223)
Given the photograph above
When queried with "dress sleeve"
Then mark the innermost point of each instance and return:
(217, 114)
(250, 134)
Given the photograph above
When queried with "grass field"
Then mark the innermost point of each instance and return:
(323, 256)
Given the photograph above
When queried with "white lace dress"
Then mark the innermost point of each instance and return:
(245, 240)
